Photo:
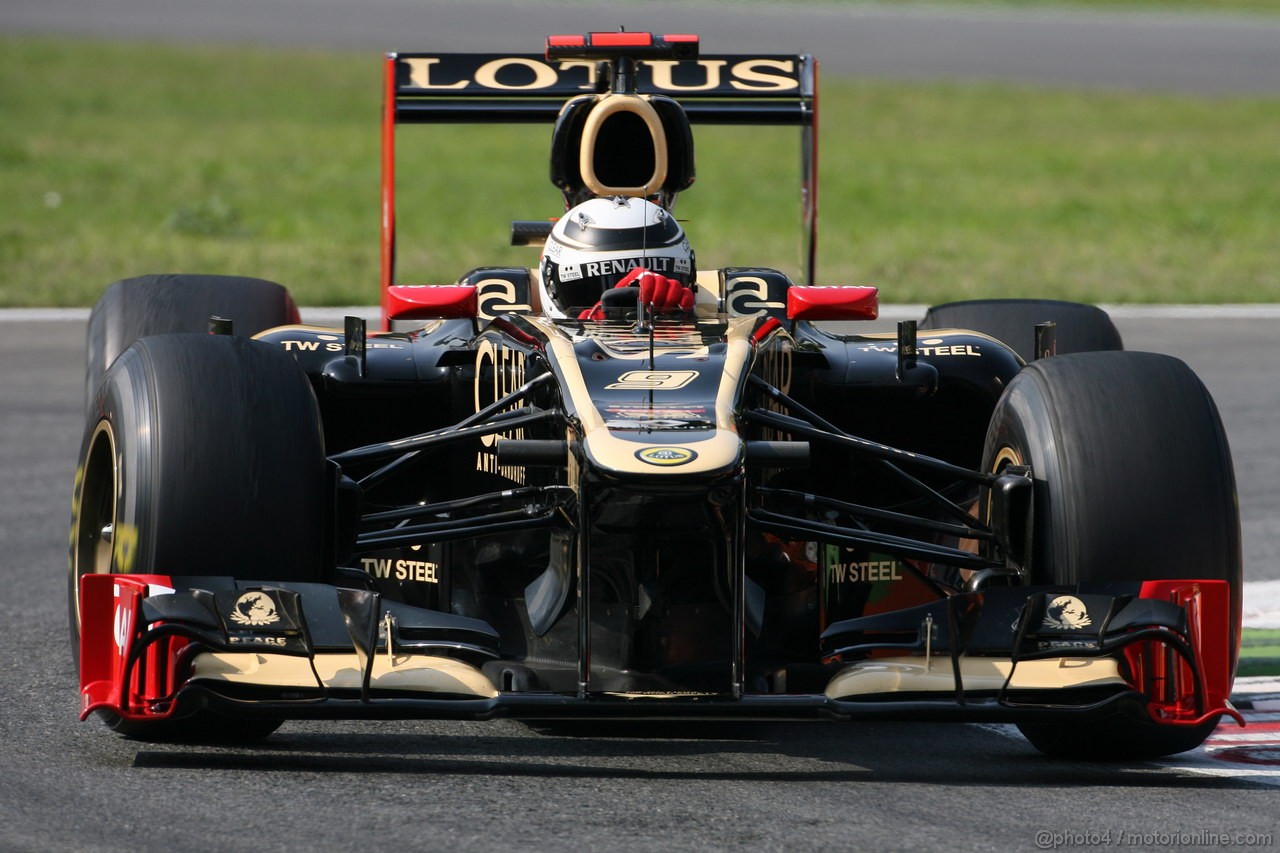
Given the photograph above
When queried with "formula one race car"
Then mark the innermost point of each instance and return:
(618, 485)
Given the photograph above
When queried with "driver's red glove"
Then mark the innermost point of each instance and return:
(665, 294)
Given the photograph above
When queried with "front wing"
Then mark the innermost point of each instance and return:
(157, 647)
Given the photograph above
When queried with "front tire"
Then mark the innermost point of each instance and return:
(203, 455)
(1133, 481)
(1079, 327)
(166, 304)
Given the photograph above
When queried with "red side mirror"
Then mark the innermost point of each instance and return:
(429, 301)
(853, 302)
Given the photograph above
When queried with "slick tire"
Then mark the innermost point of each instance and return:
(202, 455)
(162, 304)
(1133, 481)
(1079, 328)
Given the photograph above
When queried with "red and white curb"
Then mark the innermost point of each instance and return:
(1252, 752)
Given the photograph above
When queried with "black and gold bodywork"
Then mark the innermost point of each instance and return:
(742, 511)
(618, 499)
(648, 516)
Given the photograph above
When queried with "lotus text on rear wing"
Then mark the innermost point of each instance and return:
(474, 74)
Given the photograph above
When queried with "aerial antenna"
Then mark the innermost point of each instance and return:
(645, 315)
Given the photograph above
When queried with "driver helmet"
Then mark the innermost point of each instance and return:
(596, 243)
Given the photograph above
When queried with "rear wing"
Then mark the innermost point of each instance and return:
(464, 88)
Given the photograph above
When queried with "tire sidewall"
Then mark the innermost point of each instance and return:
(1023, 426)
(218, 465)
(119, 412)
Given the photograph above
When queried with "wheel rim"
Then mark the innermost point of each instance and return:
(1004, 457)
(93, 539)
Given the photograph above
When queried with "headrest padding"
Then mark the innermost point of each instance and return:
(624, 148)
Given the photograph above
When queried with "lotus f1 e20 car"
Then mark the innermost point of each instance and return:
(738, 510)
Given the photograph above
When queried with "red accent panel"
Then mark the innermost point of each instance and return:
(811, 185)
(621, 39)
(682, 38)
(1167, 679)
(516, 333)
(428, 301)
(388, 185)
(764, 330)
(109, 606)
(833, 303)
(566, 41)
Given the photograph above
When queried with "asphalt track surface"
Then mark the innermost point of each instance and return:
(500, 786)
(65, 785)
(1152, 51)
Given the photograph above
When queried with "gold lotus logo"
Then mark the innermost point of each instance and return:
(666, 455)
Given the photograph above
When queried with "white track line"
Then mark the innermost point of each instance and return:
(1262, 604)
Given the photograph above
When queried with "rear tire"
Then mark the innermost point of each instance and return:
(163, 304)
(203, 455)
(1079, 327)
(1133, 481)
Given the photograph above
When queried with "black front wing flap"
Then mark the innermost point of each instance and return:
(158, 647)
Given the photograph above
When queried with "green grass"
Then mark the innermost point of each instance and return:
(1259, 652)
(122, 159)
(1261, 642)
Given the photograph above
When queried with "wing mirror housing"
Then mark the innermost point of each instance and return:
(852, 302)
(431, 301)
